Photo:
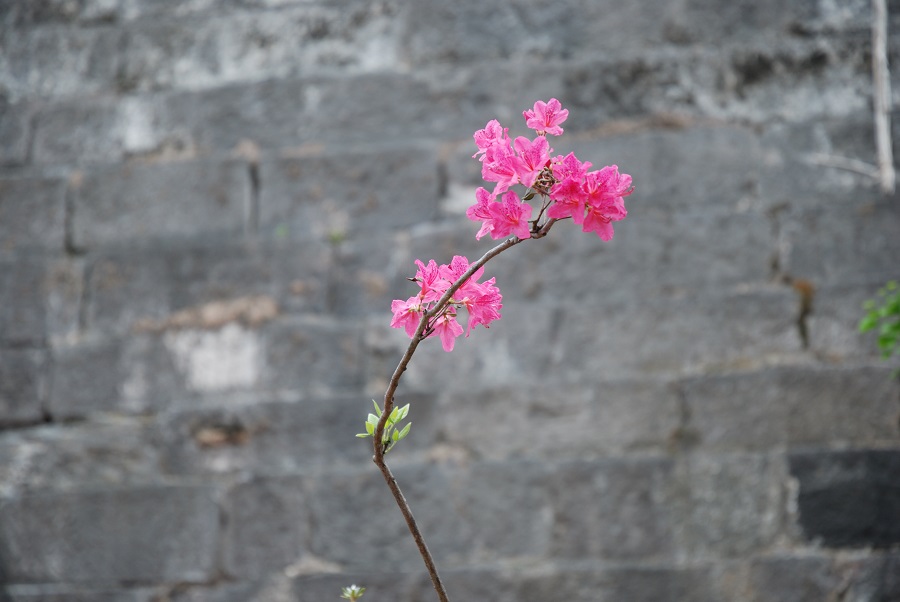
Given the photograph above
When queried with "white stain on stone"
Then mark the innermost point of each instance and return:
(136, 123)
(216, 360)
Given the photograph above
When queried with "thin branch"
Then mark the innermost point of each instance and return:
(845, 163)
(417, 337)
(882, 97)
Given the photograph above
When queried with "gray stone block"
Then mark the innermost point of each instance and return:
(73, 131)
(23, 311)
(27, 15)
(152, 287)
(270, 113)
(15, 129)
(792, 405)
(608, 584)
(685, 332)
(273, 437)
(469, 32)
(62, 593)
(848, 498)
(23, 386)
(666, 177)
(64, 294)
(850, 244)
(348, 195)
(209, 46)
(612, 510)
(32, 214)
(86, 378)
(98, 453)
(735, 505)
(707, 22)
(267, 526)
(314, 355)
(813, 576)
(60, 61)
(785, 579)
(560, 420)
(143, 534)
(124, 204)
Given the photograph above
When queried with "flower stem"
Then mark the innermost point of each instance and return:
(379, 446)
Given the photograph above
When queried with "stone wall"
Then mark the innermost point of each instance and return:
(206, 207)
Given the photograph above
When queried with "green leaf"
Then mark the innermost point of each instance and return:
(377, 408)
(403, 412)
(868, 323)
(363, 435)
(403, 433)
(370, 428)
(372, 419)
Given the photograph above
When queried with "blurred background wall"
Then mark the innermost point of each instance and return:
(206, 207)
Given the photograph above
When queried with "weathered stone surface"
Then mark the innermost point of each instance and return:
(341, 196)
(23, 314)
(59, 60)
(55, 593)
(146, 287)
(625, 583)
(725, 330)
(273, 437)
(267, 526)
(833, 324)
(792, 405)
(854, 244)
(612, 510)
(101, 453)
(122, 204)
(85, 378)
(735, 506)
(14, 132)
(312, 355)
(848, 498)
(32, 214)
(23, 386)
(220, 47)
(473, 31)
(142, 534)
(546, 421)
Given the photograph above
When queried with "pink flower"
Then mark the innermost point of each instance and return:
(510, 216)
(605, 202)
(407, 314)
(533, 157)
(458, 266)
(430, 278)
(546, 117)
(447, 328)
(480, 211)
(483, 304)
(569, 167)
(568, 200)
(499, 165)
(491, 134)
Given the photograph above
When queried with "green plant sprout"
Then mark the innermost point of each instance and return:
(885, 316)
(390, 436)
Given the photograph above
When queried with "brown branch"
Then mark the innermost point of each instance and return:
(417, 337)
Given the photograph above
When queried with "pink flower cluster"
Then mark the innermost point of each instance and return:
(593, 199)
(482, 301)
